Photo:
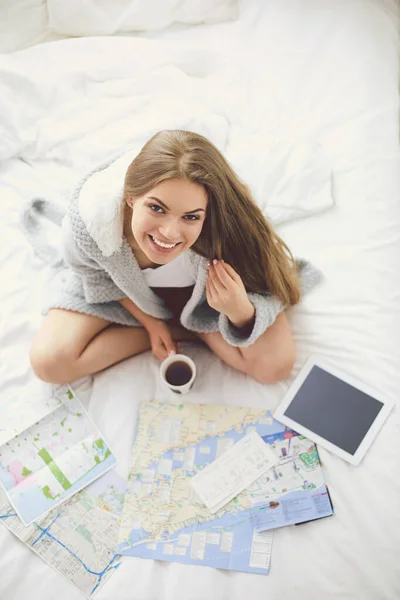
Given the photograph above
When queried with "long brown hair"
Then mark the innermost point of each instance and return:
(235, 229)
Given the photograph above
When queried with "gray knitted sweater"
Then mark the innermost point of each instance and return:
(100, 268)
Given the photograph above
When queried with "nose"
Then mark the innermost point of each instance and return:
(170, 229)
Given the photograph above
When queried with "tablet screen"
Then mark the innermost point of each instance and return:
(333, 409)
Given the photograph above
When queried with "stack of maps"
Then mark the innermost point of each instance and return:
(156, 514)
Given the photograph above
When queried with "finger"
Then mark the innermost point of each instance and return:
(225, 278)
(169, 345)
(159, 348)
(165, 341)
(212, 287)
(209, 293)
(217, 273)
(215, 280)
(214, 293)
(232, 273)
(162, 353)
(159, 352)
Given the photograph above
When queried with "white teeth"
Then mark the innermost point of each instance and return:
(162, 244)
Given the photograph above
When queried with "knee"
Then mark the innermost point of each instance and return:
(272, 370)
(51, 365)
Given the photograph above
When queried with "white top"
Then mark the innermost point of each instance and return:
(176, 273)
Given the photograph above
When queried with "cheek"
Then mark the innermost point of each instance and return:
(141, 222)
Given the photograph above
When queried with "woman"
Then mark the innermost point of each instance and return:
(182, 251)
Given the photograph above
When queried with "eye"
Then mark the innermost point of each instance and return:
(191, 217)
(155, 208)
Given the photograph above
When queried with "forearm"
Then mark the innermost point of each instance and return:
(257, 348)
(245, 323)
(276, 343)
(245, 319)
(137, 312)
(269, 359)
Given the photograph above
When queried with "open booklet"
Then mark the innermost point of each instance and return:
(293, 491)
(49, 450)
(283, 479)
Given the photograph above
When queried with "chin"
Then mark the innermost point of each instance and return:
(162, 259)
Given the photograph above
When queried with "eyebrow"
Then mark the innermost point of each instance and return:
(190, 212)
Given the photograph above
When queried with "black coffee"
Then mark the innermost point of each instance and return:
(178, 373)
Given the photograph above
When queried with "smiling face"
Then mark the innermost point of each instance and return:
(166, 221)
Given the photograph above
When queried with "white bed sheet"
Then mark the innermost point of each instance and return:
(326, 70)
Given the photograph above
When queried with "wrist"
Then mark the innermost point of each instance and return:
(149, 322)
(244, 318)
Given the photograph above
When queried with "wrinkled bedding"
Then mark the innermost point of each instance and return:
(320, 85)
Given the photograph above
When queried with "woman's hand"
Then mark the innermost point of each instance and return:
(160, 338)
(226, 294)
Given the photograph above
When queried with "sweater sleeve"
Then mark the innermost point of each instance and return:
(267, 308)
(98, 286)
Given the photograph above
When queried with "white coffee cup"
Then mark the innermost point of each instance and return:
(176, 368)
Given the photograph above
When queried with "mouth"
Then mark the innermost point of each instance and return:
(162, 247)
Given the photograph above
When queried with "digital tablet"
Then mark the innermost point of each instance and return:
(333, 410)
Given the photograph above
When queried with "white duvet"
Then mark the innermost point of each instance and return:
(82, 117)
(293, 102)
(24, 23)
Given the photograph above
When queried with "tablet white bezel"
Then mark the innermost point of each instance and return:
(356, 458)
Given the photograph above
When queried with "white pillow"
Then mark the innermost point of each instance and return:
(109, 17)
(22, 23)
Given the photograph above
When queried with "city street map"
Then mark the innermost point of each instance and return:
(49, 450)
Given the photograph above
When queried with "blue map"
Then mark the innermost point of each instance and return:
(163, 518)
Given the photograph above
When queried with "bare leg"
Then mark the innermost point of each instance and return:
(71, 345)
(229, 354)
(117, 343)
(268, 360)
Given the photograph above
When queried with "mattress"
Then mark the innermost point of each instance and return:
(326, 72)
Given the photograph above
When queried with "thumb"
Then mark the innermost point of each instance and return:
(169, 344)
